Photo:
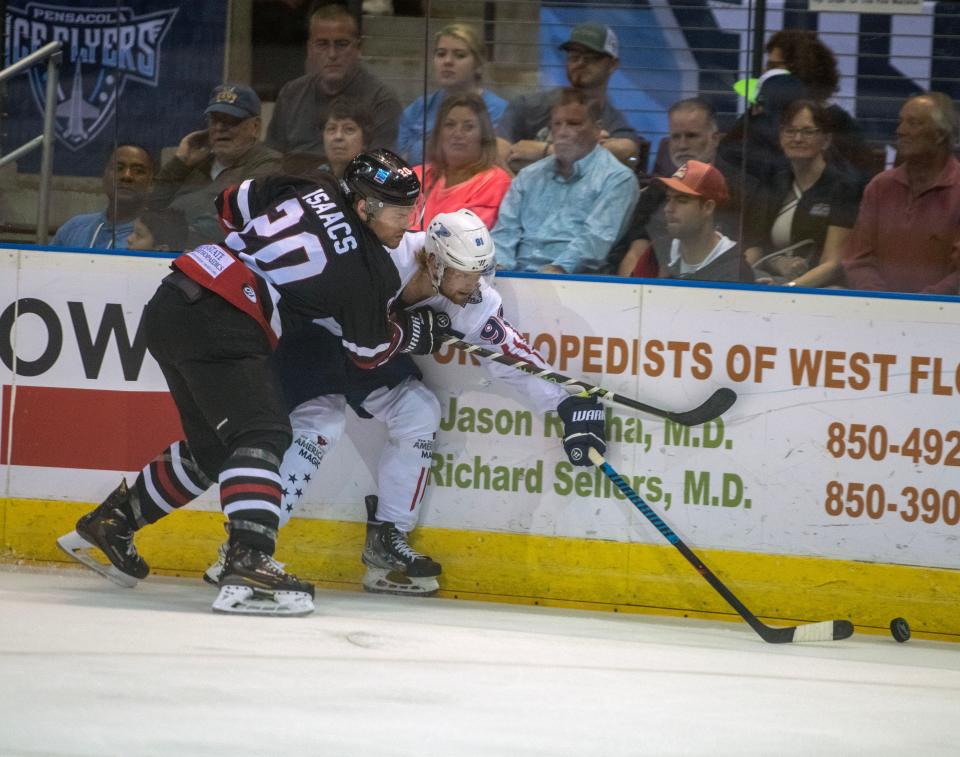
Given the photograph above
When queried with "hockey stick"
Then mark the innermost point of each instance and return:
(827, 630)
(715, 405)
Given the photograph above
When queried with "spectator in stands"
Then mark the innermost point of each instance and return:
(127, 179)
(562, 214)
(811, 200)
(698, 251)
(164, 230)
(693, 136)
(333, 57)
(458, 68)
(799, 67)
(592, 57)
(907, 234)
(463, 170)
(209, 160)
(346, 133)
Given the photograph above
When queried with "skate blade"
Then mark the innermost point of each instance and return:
(247, 600)
(79, 549)
(386, 581)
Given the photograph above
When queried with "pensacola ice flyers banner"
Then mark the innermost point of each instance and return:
(136, 71)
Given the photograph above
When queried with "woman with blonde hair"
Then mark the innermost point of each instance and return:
(458, 60)
(463, 170)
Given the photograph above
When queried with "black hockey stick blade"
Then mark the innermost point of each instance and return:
(713, 407)
(828, 630)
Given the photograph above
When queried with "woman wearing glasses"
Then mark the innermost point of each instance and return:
(810, 199)
(799, 66)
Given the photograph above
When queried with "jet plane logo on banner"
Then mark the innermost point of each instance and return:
(104, 48)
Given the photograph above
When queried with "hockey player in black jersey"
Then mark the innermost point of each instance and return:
(446, 268)
(296, 249)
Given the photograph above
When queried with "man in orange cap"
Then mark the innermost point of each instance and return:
(697, 250)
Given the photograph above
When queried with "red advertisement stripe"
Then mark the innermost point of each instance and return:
(4, 422)
(89, 428)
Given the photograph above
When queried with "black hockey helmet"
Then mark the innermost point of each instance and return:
(382, 175)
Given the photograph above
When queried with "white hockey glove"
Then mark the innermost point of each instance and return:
(424, 330)
(584, 424)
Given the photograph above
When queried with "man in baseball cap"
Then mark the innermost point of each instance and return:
(596, 37)
(592, 55)
(697, 250)
(209, 160)
(699, 180)
(235, 100)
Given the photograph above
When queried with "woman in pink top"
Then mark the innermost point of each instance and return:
(463, 170)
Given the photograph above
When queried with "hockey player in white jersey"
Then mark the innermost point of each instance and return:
(447, 268)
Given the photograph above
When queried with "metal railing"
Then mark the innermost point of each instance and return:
(52, 53)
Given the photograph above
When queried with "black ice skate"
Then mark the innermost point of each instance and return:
(253, 583)
(107, 529)
(212, 574)
(393, 566)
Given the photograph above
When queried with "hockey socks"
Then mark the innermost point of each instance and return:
(250, 497)
(167, 483)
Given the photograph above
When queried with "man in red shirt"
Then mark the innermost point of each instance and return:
(907, 235)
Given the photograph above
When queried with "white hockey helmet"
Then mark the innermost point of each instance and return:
(459, 240)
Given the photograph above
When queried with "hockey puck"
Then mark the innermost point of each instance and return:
(900, 629)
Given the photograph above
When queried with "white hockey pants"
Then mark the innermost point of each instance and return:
(411, 413)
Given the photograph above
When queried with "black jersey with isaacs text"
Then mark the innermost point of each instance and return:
(315, 259)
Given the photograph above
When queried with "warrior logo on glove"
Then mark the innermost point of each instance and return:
(584, 425)
(587, 415)
(425, 330)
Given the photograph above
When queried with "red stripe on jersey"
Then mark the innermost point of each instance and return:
(523, 354)
(225, 206)
(235, 283)
(94, 429)
(521, 343)
(234, 490)
(367, 363)
(417, 494)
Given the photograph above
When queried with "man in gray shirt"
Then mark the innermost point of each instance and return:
(333, 59)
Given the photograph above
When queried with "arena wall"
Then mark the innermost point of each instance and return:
(831, 489)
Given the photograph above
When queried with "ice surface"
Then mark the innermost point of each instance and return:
(88, 668)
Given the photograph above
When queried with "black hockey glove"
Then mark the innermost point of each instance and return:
(583, 427)
(424, 330)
